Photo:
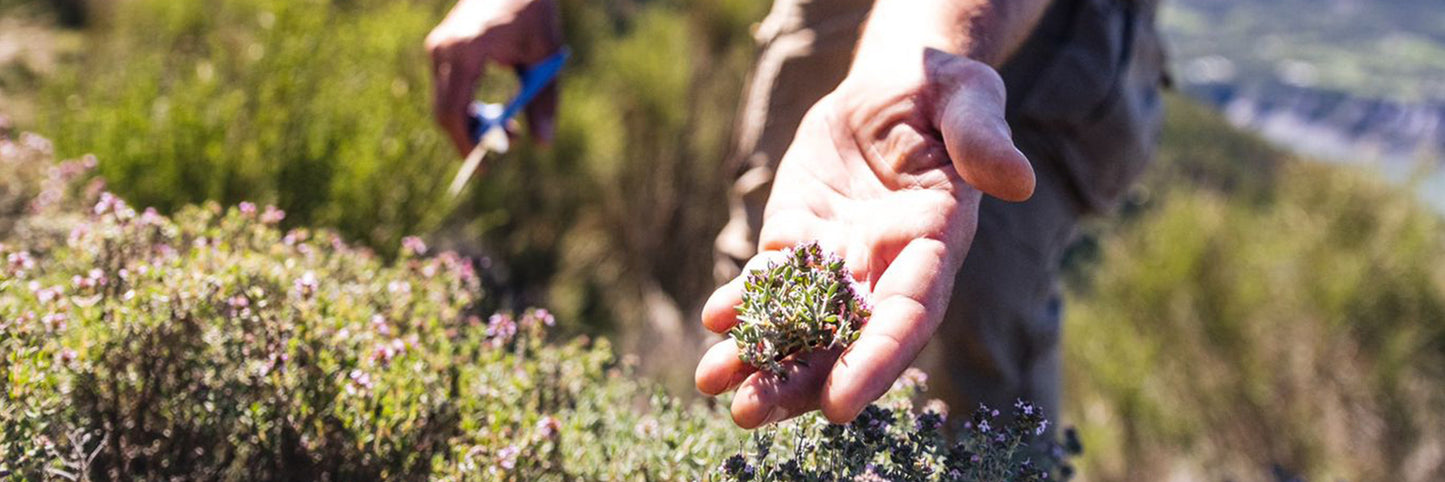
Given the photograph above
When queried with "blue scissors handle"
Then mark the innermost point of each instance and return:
(533, 79)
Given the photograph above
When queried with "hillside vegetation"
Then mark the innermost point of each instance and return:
(1248, 315)
(1390, 49)
(323, 108)
(1256, 315)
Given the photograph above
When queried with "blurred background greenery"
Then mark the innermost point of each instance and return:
(1249, 315)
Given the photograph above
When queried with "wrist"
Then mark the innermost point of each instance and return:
(988, 31)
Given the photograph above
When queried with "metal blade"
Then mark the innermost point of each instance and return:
(469, 167)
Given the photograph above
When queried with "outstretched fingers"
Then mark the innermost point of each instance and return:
(720, 369)
(766, 398)
(910, 298)
(763, 397)
(975, 132)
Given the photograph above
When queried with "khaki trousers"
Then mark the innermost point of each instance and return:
(1084, 108)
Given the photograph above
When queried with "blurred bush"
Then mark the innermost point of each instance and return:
(322, 108)
(1273, 318)
(1251, 317)
(215, 346)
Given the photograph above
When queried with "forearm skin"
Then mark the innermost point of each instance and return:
(988, 31)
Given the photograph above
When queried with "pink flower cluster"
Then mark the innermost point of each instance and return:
(358, 381)
(501, 328)
(270, 215)
(305, 286)
(19, 263)
(111, 205)
(413, 246)
(92, 280)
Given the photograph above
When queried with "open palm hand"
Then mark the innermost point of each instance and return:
(887, 173)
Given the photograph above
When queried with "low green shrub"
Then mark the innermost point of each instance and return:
(213, 345)
(1227, 337)
(323, 107)
(893, 440)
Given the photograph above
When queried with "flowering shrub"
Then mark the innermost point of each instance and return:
(891, 440)
(40, 199)
(212, 345)
(807, 301)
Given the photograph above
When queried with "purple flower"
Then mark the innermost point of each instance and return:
(105, 204)
(378, 323)
(913, 378)
(240, 305)
(501, 328)
(545, 316)
(385, 352)
(20, 262)
(399, 287)
(150, 217)
(306, 285)
(110, 204)
(35, 142)
(46, 295)
(540, 315)
(94, 278)
(67, 356)
(272, 215)
(247, 208)
(54, 321)
(507, 457)
(359, 381)
(549, 426)
(413, 246)
(278, 360)
(77, 234)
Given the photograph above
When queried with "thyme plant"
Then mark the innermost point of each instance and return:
(893, 440)
(807, 301)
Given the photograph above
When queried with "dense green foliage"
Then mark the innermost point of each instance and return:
(214, 346)
(323, 108)
(217, 346)
(1249, 314)
(1273, 315)
(892, 441)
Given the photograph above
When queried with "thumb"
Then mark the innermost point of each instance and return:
(974, 131)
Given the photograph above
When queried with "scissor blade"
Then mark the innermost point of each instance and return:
(469, 167)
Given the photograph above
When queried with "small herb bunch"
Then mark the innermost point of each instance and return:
(806, 302)
(894, 441)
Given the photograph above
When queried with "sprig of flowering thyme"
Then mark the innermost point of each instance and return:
(805, 302)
